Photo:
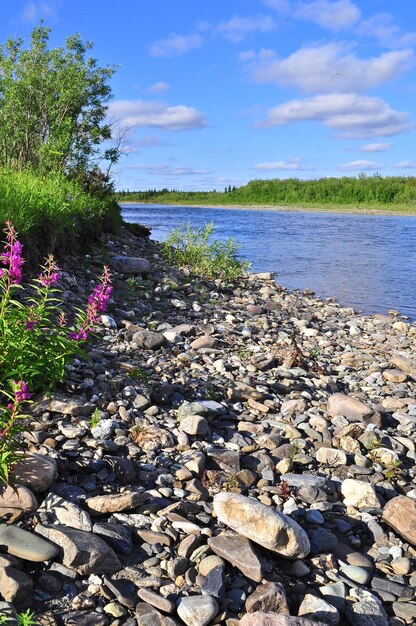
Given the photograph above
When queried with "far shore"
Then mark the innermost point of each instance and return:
(402, 210)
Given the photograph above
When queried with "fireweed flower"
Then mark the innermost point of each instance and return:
(12, 256)
(97, 303)
(21, 392)
(51, 275)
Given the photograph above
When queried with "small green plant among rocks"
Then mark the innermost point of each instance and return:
(191, 247)
(95, 418)
(26, 618)
(36, 340)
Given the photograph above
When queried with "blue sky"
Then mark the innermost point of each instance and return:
(220, 92)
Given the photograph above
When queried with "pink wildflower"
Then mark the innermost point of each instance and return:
(51, 275)
(12, 255)
(21, 391)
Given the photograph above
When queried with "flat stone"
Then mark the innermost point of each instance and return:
(73, 406)
(83, 618)
(317, 608)
(400, 514)
(359, 494)
(273, 619)
(114, 503)
(26, 545)
(197, 610)
(262, 524)
(406, 611)
(15, 502)
(206, 341)
(331, 457)
(238, 551)
(66, 513)
(156, 600)
(130, 265)
(147, 615)
(349, 407)
(149, 340)
(360, 575)
(269, 597)
(406, 365)
(394, 376)
(35, 471)
(82, 551)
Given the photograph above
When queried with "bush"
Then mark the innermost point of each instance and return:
(189, 247)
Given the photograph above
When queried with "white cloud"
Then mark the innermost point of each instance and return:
(334, 15)
(328, 68)
(405, 165)
(375, 147)
(351, 115)
(383, 28)
(167, 170)
(35, 11)
(360, 166)
(175, 45)
(140, 114)
(291, 164)
(238, 27)
(158, 87)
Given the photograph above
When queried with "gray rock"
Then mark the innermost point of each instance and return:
(238, 551)
(335, 594)
(82, 551)
(149, 340)
(26, 545)
(214, 583)
(317, 608)
(197, 610)
(15, 586)
(368, 611)
(130, 265)
(194, 425)
(269, 597)
(104, 429)
(272, 619)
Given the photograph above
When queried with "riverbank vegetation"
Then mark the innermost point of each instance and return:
(362, 191)
(53, 139)
(193, 248)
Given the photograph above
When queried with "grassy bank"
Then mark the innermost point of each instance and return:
(348, 194)
(52, 213)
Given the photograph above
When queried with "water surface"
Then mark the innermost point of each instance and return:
(364, 261)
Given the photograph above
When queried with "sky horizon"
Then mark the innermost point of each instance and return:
(217, 94)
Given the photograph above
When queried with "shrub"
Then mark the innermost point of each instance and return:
(190, 247)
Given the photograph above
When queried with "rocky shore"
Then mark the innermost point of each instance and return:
(230, 454)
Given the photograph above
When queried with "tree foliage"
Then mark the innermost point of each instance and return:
(347, 190)
(53, 104)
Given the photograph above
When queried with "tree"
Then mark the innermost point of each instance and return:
(53, 105)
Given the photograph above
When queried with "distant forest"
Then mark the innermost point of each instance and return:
(361, 190)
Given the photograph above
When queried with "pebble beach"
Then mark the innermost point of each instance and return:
(235, 454)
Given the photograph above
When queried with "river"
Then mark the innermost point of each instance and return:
(364, 261)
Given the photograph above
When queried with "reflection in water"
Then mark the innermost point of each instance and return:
(364, 261)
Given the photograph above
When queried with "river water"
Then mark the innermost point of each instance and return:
(364, 261)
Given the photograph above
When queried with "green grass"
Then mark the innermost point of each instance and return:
(52, 213)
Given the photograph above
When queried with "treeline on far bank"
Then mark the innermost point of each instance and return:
(54, 140)
(347, 190)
